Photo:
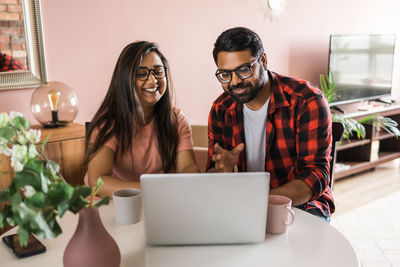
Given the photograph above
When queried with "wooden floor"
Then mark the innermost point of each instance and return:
(368, 214)
(361, 189)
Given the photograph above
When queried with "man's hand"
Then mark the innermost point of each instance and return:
(225, 160)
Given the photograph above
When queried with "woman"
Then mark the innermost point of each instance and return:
(136, 129)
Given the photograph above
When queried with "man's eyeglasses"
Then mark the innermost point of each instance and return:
(243, 72)
(158, 72)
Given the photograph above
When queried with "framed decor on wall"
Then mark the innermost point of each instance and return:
(35, 72)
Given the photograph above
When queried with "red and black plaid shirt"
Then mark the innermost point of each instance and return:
(298, 137)
(7, 63)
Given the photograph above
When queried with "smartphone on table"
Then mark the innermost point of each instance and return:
(34, 246)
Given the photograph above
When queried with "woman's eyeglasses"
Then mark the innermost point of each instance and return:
(158, 72)
(243, 72)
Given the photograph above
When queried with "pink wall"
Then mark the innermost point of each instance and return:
(84, 38)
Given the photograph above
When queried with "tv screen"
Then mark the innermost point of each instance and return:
(361, 66)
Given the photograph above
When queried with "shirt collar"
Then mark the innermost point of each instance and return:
(278, 98)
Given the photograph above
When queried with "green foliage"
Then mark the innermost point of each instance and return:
(386, 123)
(353, 127)
(328, 86)
(38, 195)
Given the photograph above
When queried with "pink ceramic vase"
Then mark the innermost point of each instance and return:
(91, 245)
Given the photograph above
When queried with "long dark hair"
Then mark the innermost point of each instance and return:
(121, 115)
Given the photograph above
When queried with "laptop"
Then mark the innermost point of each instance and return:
(205, 208)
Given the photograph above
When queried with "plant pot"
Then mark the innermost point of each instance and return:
(91, 245)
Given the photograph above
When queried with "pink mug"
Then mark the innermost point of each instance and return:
(279, 215)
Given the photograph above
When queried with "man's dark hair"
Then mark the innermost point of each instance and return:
(238, 39)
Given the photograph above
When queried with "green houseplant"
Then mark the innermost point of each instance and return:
(356, 128)
(38, 195)
(328, 86)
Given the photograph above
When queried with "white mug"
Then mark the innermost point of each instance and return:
(127, 205)
(279, 215)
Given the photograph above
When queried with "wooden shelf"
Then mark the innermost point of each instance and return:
(346, 144)
(383, 136)
(362, 155)
(359, 166)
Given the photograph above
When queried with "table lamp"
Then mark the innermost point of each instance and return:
(54, 104)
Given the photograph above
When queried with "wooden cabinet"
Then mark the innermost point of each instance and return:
(65, 146)
(356, 155)
(6, 176)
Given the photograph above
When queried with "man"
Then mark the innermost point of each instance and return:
(265, 121)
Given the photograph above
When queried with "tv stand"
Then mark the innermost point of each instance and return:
(358, 155)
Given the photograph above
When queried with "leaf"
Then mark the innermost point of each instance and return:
(10, 221)
(62, 208)
(43, 182)
(45, 141)
(23, 235)
(98, 185)
(52, 168)
(369, 119)
(27, 177)
(351, 126)
(16, 200)
(78, 200)
(59, 193)
(6, 217)
(33, 221)
(387, 124)
(322, 83)
(55, 227)
(21, 123)
(7, 132)
(328, 86)
(51, 216)
(103, 201)
(4, 195)
(37, 200)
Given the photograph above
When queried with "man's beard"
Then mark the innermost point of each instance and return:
(250, 93)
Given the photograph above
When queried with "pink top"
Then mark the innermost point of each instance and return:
(144, 156)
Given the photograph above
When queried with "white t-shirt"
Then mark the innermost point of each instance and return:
(255, 122)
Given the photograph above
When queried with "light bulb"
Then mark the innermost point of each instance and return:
(54, 97)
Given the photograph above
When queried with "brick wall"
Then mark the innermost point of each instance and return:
(12, 35)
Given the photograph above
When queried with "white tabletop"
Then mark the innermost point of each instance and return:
(308, 242)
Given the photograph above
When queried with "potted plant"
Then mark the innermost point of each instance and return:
(38, 195)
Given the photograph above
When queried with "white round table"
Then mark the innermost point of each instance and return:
(308, 242)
